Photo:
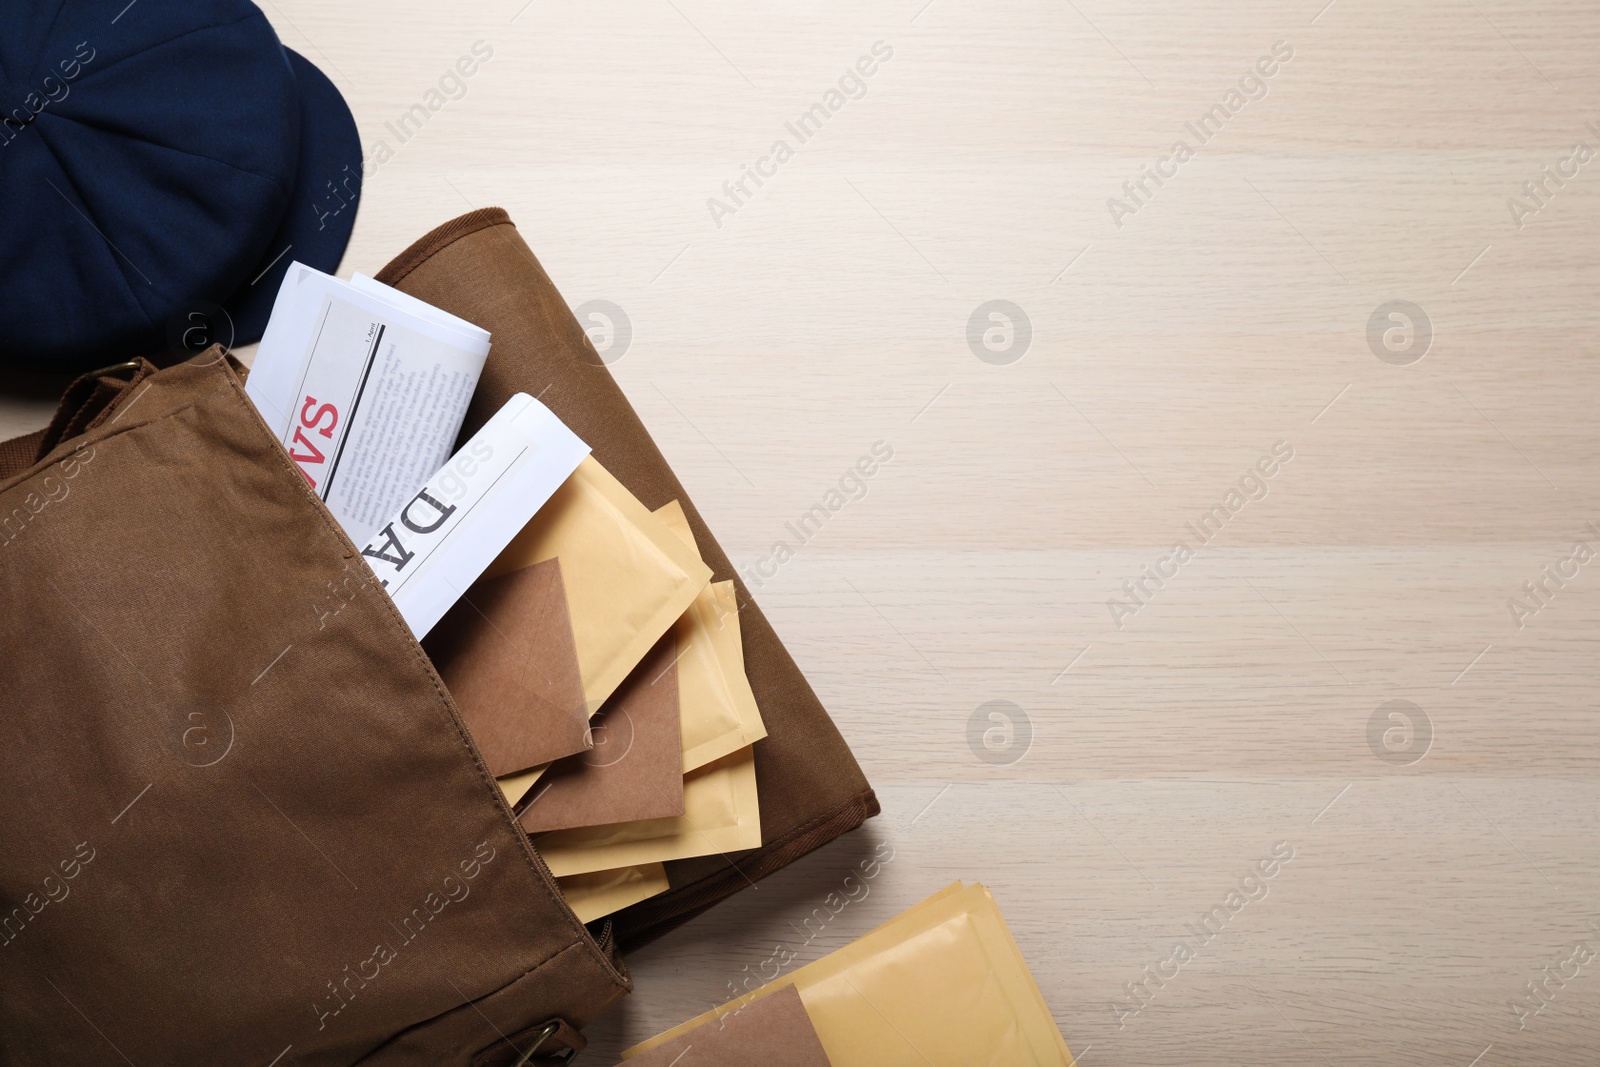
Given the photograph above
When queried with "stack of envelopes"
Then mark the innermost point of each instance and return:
(601, 674)
(598, 669)
(941, 985)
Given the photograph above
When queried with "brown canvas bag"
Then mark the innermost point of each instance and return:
(811, 789)
(243, 820)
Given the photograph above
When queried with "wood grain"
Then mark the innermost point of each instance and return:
(1226, 314)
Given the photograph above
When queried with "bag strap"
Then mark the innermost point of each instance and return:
(19, 453)
(88, 401)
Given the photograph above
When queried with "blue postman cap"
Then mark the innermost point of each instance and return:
(161, 165)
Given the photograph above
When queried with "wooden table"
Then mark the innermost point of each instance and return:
(1334, 665)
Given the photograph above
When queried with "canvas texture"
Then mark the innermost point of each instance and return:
(246, 818)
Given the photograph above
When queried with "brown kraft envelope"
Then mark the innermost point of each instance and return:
(811, 789)
(774, 1031)
(627, 576)
(625, 579)
(634, 771)
(506, 652)
(721, 815)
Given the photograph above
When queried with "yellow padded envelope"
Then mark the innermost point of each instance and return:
(942, 985)
(600, 893)
(516, 786)
(720, 815)
(717, 707)
(628, 578)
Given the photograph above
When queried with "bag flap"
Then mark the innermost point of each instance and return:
(247, 819)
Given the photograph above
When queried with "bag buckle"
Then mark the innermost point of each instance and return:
(130, 364)
(550, 1029)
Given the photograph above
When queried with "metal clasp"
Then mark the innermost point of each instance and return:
(546, 1034)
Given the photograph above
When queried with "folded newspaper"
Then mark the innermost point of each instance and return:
(444, 536)
(366, 387)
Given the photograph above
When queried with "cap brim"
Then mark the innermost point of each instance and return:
(322, 209)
